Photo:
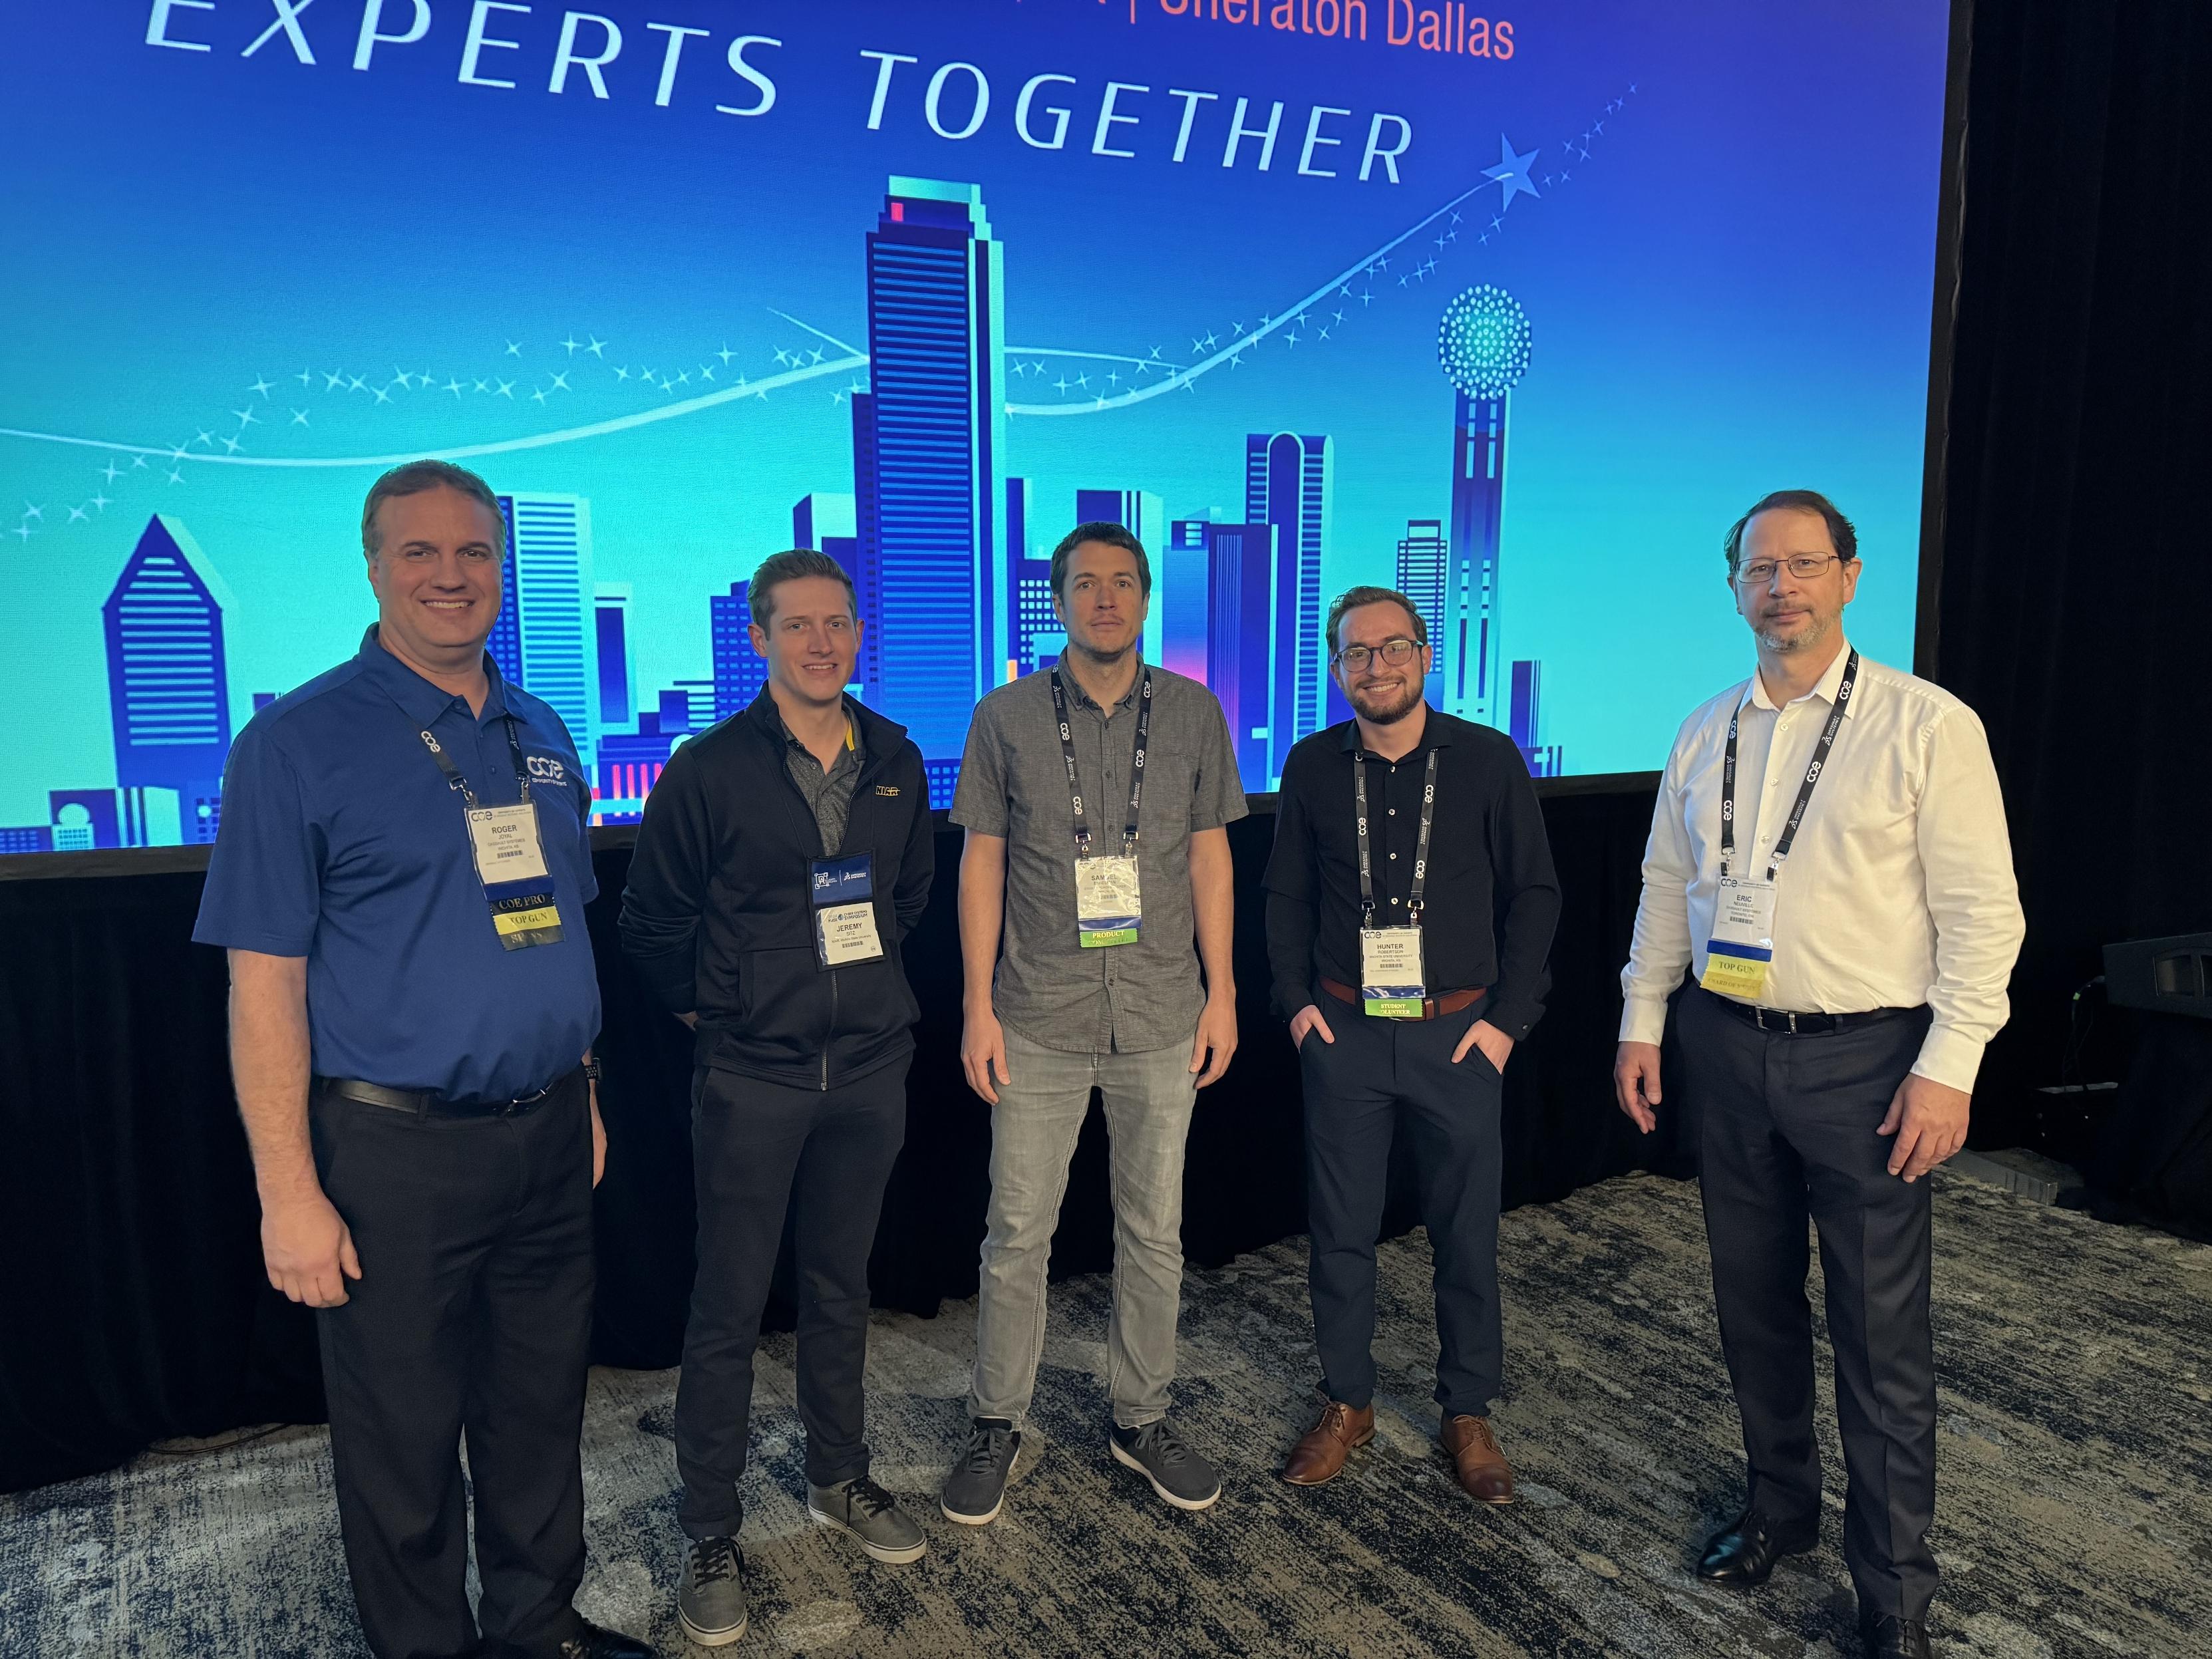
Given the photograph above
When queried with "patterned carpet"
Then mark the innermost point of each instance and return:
(2077, 1457)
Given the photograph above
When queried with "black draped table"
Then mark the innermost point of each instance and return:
(133, 1307)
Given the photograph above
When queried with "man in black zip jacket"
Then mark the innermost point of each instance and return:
(785, 853)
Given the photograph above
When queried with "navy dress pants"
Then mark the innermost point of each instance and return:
(470, 1322)
(1379, 1078)
(1789, 1135)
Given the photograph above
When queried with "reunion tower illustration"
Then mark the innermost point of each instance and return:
(1482, 346)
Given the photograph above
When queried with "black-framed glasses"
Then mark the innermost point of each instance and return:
(1803, 566)
(1397, 651)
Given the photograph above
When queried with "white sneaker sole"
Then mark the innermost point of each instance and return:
(713, 1638)
(1166, 1496)
(958, 1519)
(876, 1552)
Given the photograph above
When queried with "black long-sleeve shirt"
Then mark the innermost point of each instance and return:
(1491, 899)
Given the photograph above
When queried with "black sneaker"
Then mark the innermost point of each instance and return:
(976, 1490)
(1179, 1474)
(872, 1515)
(712, 1602)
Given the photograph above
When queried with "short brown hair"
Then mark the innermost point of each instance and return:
(1113, 535)
(789, 566)
(1842, 534)
(1352, 598)
(412, 478)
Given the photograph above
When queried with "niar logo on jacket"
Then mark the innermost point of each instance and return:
(887, 789)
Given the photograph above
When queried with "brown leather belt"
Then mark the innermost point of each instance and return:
(1435, 1007)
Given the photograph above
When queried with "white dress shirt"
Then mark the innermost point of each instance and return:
(1898, 890)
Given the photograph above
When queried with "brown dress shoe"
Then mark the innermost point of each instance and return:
(1484, 1472)
(1321, 1454)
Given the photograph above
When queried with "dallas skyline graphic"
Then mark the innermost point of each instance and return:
(944, 536)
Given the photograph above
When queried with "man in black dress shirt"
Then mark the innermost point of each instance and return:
(1410, 908)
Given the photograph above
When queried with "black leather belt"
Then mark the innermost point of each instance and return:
(1783, 1022)
(1435, 1007)
(423, 1104)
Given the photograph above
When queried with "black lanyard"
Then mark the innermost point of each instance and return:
(1813, 771)
(1420, 845)
(1136, 765)
(454, 778)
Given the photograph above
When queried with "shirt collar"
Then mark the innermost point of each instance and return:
(1084, 699)
(1830, 683)
(852, 745)
(1434, 735)
(419, 699)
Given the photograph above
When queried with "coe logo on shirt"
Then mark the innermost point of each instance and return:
(544, 767)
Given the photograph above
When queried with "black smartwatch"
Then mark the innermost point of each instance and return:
(592, 1070)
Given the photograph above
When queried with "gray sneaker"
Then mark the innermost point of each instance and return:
(872, 1515)
(712, 1602)
(976, 1489)
(1179, 1474)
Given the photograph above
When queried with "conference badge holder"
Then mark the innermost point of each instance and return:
(510, 858)
(1391, 983)
(1110, 906)
(843, 892)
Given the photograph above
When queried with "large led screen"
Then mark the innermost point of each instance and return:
(1513, 311)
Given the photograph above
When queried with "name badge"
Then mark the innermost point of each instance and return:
(1741, 949)
(506, 842)
(1391, 982)
(842, 892)
(1109, 909)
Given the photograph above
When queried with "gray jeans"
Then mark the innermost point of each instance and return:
(1148, 1098)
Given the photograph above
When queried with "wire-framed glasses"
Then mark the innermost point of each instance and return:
(1803, 566)
(1397, 651)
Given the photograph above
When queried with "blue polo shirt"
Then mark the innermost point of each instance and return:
(342, 842)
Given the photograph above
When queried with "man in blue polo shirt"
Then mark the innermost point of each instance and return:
(400, 883)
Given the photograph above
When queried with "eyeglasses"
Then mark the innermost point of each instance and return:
(1803, 566)
(1396, 652)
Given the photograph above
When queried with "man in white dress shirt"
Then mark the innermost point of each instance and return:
(1828, 856)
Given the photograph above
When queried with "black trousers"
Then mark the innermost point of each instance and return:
(760, 1149)
(1379, 1075)
(471, 1321)
(1790, 1134)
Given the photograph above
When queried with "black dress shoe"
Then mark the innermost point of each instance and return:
(590, 1642)
(1888, 1637)
(1744, 1552)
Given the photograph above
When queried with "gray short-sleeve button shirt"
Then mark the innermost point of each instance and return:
(1013, 783)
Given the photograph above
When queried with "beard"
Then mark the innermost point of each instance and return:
(1384, 708)
(1814, 632)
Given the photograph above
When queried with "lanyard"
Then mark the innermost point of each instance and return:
(1420, 846)
(1136, 765)
(455, 780)
(1813, 771)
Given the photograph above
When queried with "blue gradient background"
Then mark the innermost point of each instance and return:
(1732, 295)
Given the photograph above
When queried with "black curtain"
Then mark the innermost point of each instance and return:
(2077, 582)
(135, 1307)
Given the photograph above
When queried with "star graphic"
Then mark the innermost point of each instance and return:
(1236, 328)
(100, 502)
(75, 512)
(1454, 218)
(230, 445)
(1083, 380)
(1497, 223)
(741, 383)
(538, 396)
(1021, 371)
(1061, 385)
(1212, 339)
(1037, 369)
(305, 377)
(383, 396)
(725, 353)
(597, 347)
(505, 390)
(621, 373)
(111, 471)
(836, 397)
(177, 451)
(514, 348)
(246, 418)
(482, 387)
(1598, 127)
(1340, 316)
(356, 384)
(330, 381)
(816, 357)
(1324, 334)
(138, 459)
(453, 387)
(428, 378)
(176, 475)
(572, 342)
(206, 439)
(706, 372)
(781, 356)
(260, 385)
(1511, 172)
(560, 382)
(406, 380)
(299, 417)
(23, 531)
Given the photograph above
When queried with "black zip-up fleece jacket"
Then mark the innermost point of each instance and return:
(716, 917)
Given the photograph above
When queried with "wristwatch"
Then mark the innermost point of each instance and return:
(592, 1070)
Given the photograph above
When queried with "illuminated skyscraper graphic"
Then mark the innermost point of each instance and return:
(930, 455)
(1028, 587)
(1422, 562)
(617, 654)
(549, 543)
(1183, 590)
(1140, 513)
(829, 524)
(168, 689)
(739, 670)
(1483, 347)
(1239, 662)
(1546, 760)
(1288, 484)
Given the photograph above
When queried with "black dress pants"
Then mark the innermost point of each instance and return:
(1379, 1075)
(1789, 1132)
(758, 1151)
(470, 1321)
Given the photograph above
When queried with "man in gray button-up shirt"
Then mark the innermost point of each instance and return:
(1049, 1017)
